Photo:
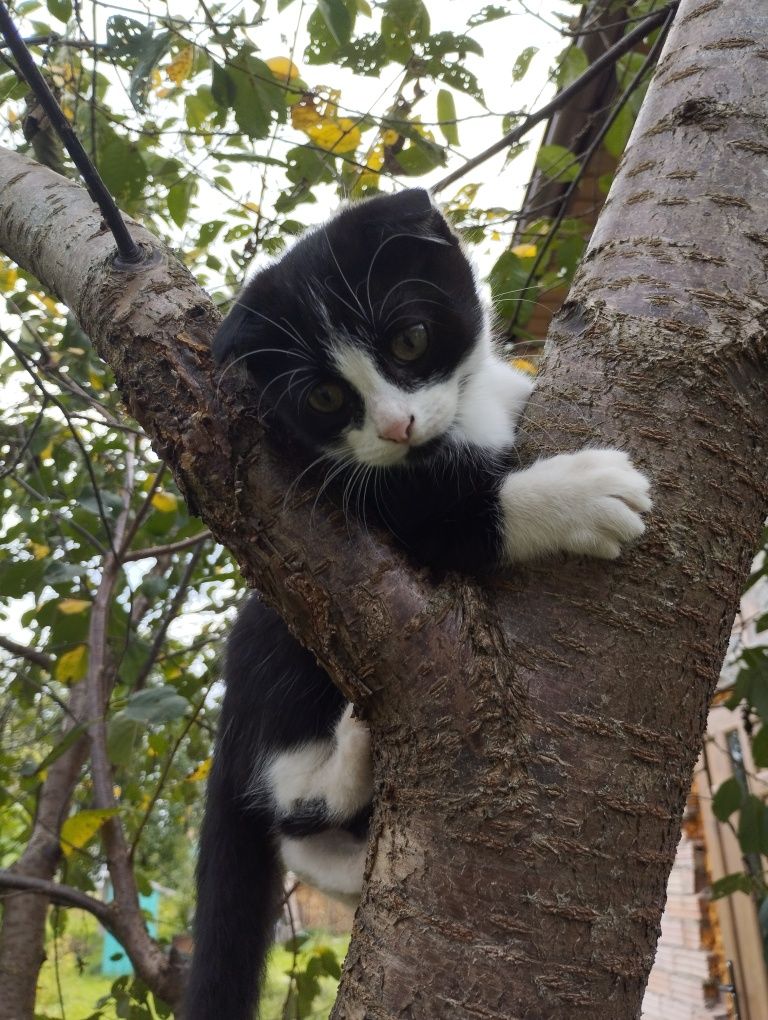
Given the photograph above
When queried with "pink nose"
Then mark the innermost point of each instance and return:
(398, 431)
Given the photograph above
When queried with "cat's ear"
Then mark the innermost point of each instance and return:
(242, 328)
(231, 336)
(411, 210)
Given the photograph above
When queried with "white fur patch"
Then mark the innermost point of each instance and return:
(331, 861)
(585, 503)
(494, 395)
(337, 771)
(432, 407)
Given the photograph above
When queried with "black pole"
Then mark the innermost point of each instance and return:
(129, 252)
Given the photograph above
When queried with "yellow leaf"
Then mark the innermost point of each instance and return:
(201, 771)
(47, 453)
(524, 365)
(78, 829)
(8, 278)
(525, 251)
(12, 116)
(341, 135)
(283, 68)
(181, 65)
(389, 137)
(39, 551)
(375, 159)
(253, 206)
(304, 116)
(71, 606)
(72, 665)
(51, 305)
(165, 502)
(96, 380)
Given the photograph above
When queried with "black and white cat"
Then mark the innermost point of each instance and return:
(372, 347)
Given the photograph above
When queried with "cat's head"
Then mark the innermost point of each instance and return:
(362, 335)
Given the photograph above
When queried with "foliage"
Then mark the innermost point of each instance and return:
(221, 136)
(736, 801)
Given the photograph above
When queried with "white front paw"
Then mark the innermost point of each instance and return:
(585, 503)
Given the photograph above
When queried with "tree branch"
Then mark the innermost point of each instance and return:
(64, 895)
(30, 654)
(153, 551)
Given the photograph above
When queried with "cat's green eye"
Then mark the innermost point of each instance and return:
(327, 398)
(411, 343)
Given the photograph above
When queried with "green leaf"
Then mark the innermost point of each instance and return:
(486, 14)
(737, 882)
(753, 826)
(141, 76)
(155, 705)
(61, 9)
(179, 198)
(123, 736)
(727, 799)
(523, 62)
(760, 748)
(557, 162)
(404, 23)
(257, 95)
(446, 114)
(123, 170)
(338, 18)
(420, 156)
(618, 133)
(223, 87)
(16, 579)
(513, 294)
(573, 62)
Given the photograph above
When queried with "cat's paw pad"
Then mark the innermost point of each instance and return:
(608, 496)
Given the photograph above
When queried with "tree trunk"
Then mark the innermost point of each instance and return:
(22, 937)
(535, 734)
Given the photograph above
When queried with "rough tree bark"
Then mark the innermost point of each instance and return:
(534, 734)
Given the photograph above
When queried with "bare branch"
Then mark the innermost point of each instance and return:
(64, 895)
(30, 654)
(153, 551)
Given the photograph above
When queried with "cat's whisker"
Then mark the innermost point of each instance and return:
(411, 279)
(291, 333)
(411, 301)
(346, 303)
(429, 238)
(344, 280)
(297, 480)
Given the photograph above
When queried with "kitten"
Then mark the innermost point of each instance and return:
(372, 347)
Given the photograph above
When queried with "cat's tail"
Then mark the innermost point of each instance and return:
(239, 880)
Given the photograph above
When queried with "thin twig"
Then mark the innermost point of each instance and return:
(151, 552)
(58, 893)
(562, 98)
(587, 156)
(30, 654)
